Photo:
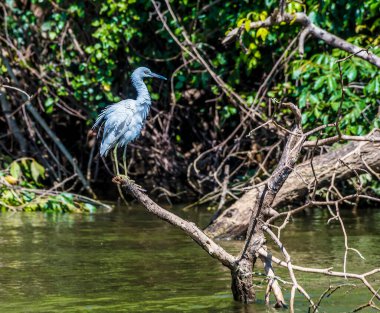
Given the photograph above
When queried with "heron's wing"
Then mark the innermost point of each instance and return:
(116, 119)
(108, 110)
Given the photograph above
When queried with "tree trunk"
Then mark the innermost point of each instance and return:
(242, 285)
(233, 222)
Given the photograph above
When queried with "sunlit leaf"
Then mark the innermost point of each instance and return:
(15, 170)
(262, 33)
(11, 180)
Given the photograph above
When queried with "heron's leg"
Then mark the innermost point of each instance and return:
(116, 161)
(125, 176)
(125, 161)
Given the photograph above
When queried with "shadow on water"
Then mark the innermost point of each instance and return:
(129, 261)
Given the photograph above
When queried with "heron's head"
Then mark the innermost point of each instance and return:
(142, 72)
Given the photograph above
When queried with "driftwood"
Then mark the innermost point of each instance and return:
(360, 156)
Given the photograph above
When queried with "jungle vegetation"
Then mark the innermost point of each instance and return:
(73, 58)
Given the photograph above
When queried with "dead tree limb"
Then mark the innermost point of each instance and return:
(242, 285)
(313, 30)
(242, 266)
(205, 242)
(233, 222)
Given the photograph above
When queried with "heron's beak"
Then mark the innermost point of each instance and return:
(158, 76)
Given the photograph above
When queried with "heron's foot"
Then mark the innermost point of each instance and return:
(120, 178)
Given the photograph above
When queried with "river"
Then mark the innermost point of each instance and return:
(129, 261)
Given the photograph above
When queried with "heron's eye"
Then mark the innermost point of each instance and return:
(146, 72)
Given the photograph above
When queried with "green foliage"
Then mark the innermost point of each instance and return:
(78, 54)
(88, 46)
(315, 81)
(21, 190)
(320, 91)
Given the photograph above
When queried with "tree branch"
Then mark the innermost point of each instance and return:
(313, 30)
(189, 228)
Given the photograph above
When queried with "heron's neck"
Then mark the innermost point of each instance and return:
(143, 97)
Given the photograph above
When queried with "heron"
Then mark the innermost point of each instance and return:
(123, 121)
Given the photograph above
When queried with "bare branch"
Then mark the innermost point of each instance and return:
(328, 272)
(290, 269)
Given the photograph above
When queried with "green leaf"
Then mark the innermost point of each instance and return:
(331, 83)
(313, 99)
(335, 106)
(352, 73)
(240, 22)
(15, 169)
(247, 25)
(37, 170)
(52, 35)
(319, 82)
(317, 113)
(262, 32)
(304, 117)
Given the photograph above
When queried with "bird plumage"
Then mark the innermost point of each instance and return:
(123, 121)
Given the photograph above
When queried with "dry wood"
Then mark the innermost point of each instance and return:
(233, 221)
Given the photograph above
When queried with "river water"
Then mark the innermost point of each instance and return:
(129, 261)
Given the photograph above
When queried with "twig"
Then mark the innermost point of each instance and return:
(291, 272)
(329, 272)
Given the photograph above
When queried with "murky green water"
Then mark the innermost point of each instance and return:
(129, 261)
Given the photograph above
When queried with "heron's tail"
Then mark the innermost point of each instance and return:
(100, 119)
(104, 149)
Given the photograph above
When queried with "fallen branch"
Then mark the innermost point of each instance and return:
(233, 222)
